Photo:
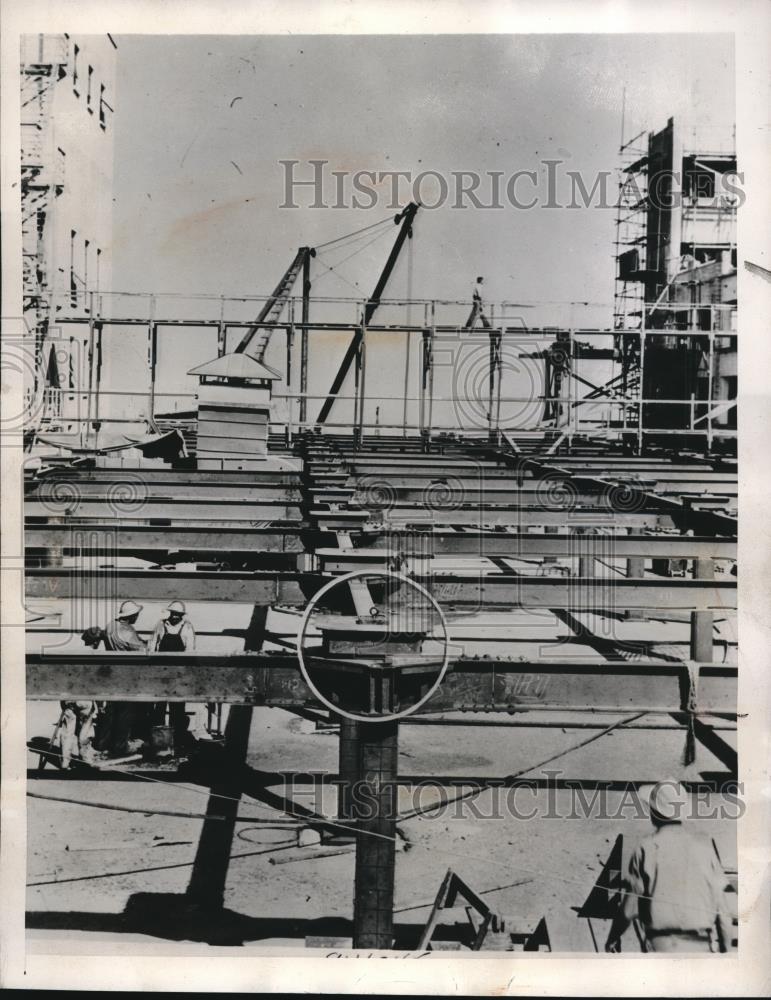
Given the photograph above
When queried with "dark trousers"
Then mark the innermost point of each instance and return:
(121, 721)
(178, 720)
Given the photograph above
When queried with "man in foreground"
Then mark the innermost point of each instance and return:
(675, 885)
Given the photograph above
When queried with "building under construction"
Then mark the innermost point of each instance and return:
(546, 574)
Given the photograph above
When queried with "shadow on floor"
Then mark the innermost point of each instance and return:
(172, 917)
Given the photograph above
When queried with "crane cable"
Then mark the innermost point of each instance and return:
(333, 267)
(356, 232)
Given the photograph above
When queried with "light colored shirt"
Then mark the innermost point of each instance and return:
(122, 637)
(184, 630)
(679, 880)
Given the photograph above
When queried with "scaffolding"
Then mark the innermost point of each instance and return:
(42, 180)
(631, 232)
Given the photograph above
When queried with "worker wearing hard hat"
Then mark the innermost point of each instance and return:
(675, 884)
(120, 634)
(124, 725)
(174, 633)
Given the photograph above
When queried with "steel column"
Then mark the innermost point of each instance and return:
(702, 621)
(375, 807)
(635, 569)
(549, 530)
(306, 290)
(348, 768)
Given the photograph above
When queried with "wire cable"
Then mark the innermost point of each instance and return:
(178, 814)
(333, 267)
(356, 232)
(506, 865)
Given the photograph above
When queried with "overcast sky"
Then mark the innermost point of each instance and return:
(198, 184)
(201, 123)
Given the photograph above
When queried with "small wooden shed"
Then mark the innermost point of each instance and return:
(234, 397)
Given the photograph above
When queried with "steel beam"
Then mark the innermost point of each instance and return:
(440, 495)
(441, 542)
(118, 475)
(193, 542)
(482, 515)
(129, 583)
(479, 477)
(493, 684)
(138, 507)
(487, 458)
(146, 487)
(451, 588)
(202, 542)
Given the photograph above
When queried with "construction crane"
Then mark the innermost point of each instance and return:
(405, 230)
(271, 311)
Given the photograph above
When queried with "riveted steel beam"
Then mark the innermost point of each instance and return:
(191, 541)
(139, 506)
(470, 684)
(451, 588)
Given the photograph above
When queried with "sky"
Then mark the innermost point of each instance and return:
(203, 121)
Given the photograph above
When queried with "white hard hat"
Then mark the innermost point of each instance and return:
(177, 606)
(667, 802)
(128, 608)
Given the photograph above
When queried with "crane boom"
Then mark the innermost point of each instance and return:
(273, 308)
(405, 230)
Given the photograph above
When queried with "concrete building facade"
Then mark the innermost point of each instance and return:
(67, 121)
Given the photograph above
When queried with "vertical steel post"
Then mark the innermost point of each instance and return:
(90, 362)
(362, 382)
(407, 346)
(289, 386)
(702, 622)
(572, 410)
(348, 767)
(710, 387)
(431, 371)
(498, 390)
(306, 305)
(153, 367)
(550, 530)
(641, 406)
(635, 568)
(98, 374)
(427, 365)
(373, 920)
(221, 332)
(491, 384)
(289, 329)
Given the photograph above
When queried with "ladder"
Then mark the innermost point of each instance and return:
(272, 310)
